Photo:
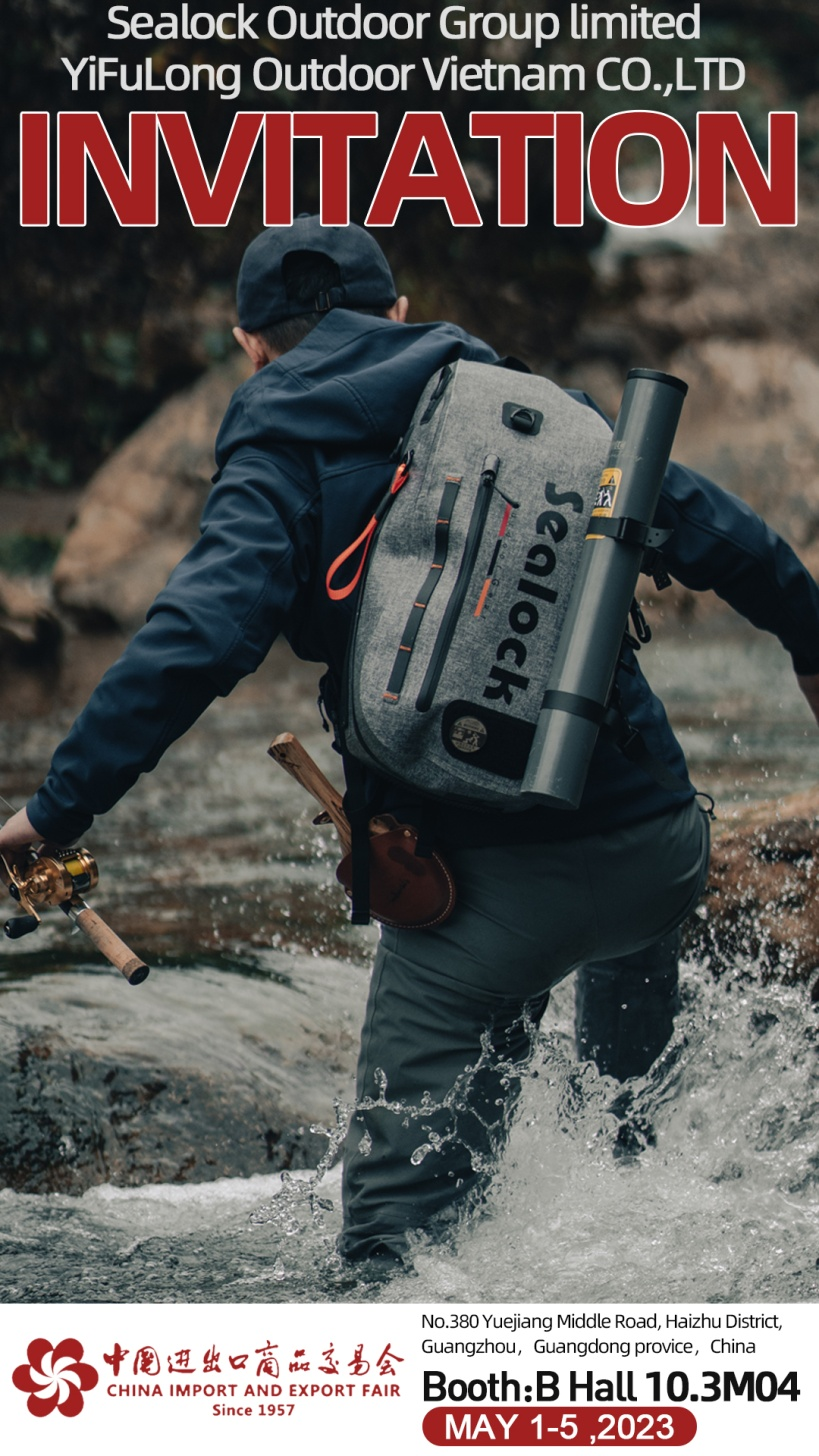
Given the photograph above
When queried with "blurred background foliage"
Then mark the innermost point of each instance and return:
(99, 324)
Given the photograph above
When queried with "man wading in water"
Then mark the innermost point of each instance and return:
(303, 458)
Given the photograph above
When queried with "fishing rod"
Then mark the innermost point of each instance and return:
(59, 878)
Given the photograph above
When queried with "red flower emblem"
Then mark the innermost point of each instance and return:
(55, 1377)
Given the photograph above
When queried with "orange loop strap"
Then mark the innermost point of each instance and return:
(338, 594)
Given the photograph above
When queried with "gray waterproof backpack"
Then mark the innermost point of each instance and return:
(472, 557)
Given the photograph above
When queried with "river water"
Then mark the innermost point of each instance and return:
(255, 1001)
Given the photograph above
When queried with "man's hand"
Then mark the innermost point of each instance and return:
(810, 687)
(18, 833)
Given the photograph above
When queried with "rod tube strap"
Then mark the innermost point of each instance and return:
(629, 530)
(574, 703)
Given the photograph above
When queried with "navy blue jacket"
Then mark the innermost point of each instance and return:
(303, 457)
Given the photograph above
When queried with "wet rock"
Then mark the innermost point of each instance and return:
(761, 906)
(737, 320)
(752, 285)
(193, 1076)
(29, 631)
(71, 1121)
(139, 513)
(750, 422)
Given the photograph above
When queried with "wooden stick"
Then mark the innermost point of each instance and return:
(294, 758)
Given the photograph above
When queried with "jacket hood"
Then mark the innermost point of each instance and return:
(353, 378)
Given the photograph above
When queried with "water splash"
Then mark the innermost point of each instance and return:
(713, 1199)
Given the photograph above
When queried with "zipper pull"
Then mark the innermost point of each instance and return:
(489, 475)
(489, 471)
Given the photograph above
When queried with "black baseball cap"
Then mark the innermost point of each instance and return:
(365, 280)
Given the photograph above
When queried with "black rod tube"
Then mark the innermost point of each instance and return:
(589, 647)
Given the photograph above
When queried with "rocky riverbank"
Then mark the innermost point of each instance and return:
(759, 915)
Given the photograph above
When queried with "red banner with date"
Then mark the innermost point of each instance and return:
(579, 1426)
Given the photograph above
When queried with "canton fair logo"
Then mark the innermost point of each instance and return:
(55, 1377)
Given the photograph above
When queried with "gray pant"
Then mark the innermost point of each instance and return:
(452, 1011)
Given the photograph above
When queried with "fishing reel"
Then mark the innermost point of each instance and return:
(47, 879)
(59, 878)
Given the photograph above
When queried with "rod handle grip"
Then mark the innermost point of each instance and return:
(108, 943)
